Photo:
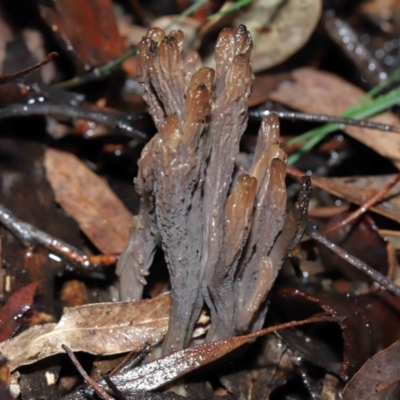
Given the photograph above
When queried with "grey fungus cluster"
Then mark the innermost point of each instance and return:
(224, 233)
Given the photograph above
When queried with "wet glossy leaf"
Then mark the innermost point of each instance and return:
(378, 379)
(358, 189)
(102, 329)
(166, 369)
(11, 315)
(364, 329)
(314, 91)
(89, 200)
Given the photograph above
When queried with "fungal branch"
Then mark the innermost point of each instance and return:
(224, 234)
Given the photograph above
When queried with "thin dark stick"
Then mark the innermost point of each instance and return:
(27, 71)
(313, 232)
(117, 393)
(323, 118)
(122, 122)
(131, 360)
(365, 207)
(31, 237)
(99, 390)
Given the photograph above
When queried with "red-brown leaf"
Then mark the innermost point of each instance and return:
(86, 28)
(16, 306)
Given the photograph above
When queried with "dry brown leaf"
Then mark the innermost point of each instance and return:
(319, 92)
(279, 28)
(89, 200)
(101, 329)
(360, 189)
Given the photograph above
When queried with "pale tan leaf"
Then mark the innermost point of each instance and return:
(359, 189)
(279, 28)
(101, 329)
(319, 92)
(89, 200)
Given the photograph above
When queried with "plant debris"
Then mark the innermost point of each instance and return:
(100, 329)
(89, 200)
(206, 246)
(321, 92)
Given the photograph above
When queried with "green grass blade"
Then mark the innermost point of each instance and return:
(314, 136)
(233, 7)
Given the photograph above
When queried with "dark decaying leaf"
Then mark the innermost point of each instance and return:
(25, 190)
(89, 200)
(5, 394)
(102, 329)
(11, 314)
(256, 373)
(359, 189)
(364, 329)
(378, 379)
(87, 29)
(168, 368)
(374, 250)
(41, 381)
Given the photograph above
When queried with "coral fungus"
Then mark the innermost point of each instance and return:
(225, 233)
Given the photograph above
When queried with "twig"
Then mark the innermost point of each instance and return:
(191, 9)
(97, 72)
(31, 237)
(27, 71)
(365, 207)
(348, 40)
(99, 390)
(323, 118)
(313, 232)
(118, 394)
(122, 122)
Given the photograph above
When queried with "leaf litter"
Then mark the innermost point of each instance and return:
(89, 200)
(101, 329)
(84, 194)
(358, 189)
(379, 378)
(325, 93)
